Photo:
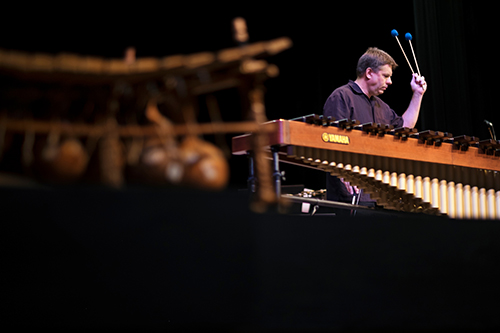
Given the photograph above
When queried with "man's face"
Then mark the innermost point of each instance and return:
(380, 81)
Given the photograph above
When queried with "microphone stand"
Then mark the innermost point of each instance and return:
(491, 129)
(493, 136)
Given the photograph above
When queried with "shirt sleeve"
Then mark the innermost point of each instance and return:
(336, 107)
(396, 121)
(384, 114)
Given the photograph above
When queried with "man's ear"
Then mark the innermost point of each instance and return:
(369, 73)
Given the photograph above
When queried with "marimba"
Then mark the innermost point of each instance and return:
(430, 171)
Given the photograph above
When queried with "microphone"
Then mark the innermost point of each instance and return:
(491, 129)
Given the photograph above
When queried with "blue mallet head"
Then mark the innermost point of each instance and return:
(408, 36)
(394, 33)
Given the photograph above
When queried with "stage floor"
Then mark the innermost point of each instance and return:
(143, 258)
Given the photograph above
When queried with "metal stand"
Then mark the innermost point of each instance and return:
(276, 171)
(252, 180)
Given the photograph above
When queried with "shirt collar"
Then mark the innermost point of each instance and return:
(357, 89)
(354, 86)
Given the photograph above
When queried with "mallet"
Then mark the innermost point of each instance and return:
(394, 33)
(409, 38)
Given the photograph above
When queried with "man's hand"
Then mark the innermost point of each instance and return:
(418, 84)
(350, 188)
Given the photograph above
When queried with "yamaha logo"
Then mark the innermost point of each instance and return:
(335, 138)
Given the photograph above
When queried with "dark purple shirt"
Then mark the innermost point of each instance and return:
(349, 101)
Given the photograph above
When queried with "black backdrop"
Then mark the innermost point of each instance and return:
(150, 259)
(450, 39)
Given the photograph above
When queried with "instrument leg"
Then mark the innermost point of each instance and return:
(276, 171)
(252, 180)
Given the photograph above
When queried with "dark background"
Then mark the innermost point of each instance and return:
(174, 260)
(451, 40)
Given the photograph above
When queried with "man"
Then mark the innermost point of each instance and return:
(358, 100)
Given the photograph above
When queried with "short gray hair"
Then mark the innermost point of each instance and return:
(374, 58)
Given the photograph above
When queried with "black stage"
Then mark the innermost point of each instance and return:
(144, 258)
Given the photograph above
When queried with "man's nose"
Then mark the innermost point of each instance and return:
(389, 81)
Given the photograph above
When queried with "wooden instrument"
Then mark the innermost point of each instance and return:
(98, 107)
(429, 171)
